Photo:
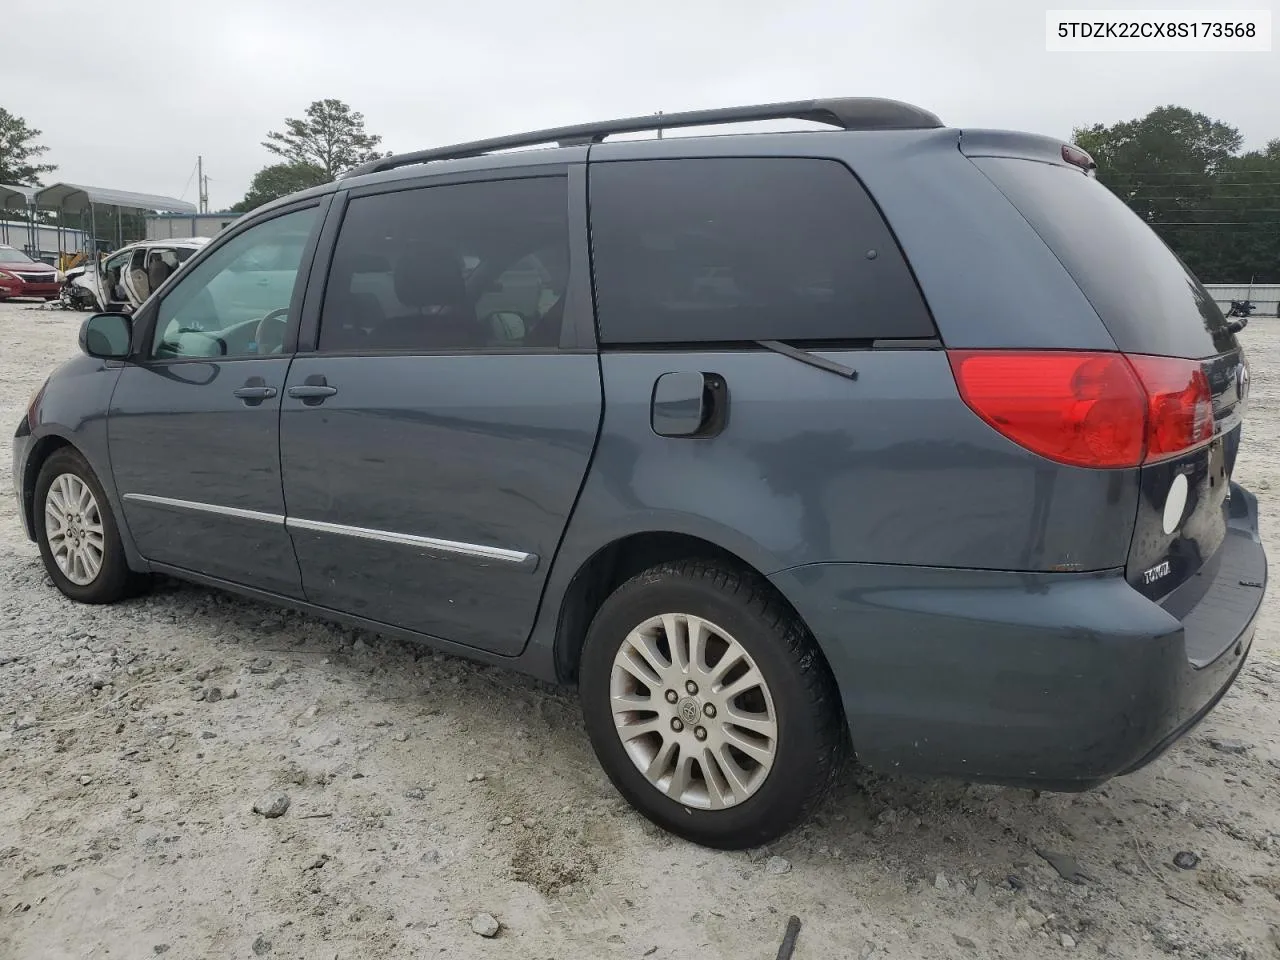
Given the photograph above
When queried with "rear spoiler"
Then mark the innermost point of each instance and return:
(1025, 146)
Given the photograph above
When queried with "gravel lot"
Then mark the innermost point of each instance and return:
(423, 790)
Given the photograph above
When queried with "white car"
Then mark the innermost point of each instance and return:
(127, 277)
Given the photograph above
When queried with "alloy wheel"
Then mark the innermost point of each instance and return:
(73, 527)
(693, 711)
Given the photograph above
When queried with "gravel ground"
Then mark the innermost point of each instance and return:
(423, 791)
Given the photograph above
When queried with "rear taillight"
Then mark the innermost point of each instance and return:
(1179, 404)
(1088, 409)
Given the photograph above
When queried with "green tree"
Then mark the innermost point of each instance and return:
(1244, 211)
(280, 180)
(19, 151)
(1168, 167)
(331, 137)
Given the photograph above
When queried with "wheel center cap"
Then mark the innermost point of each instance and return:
(690, 711)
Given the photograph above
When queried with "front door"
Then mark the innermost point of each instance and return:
(112, 294)
(134, 278)
(194, 421)
(435, 441)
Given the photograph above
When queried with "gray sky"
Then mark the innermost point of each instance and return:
(129, 101)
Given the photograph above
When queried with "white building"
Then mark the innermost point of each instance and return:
(166, 226)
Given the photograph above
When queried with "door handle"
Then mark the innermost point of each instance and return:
(312, 391)
(254, 392)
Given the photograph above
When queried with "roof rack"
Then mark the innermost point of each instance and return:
(847, 113)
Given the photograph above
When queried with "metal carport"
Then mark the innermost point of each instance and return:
(16, 198)
(71, 198)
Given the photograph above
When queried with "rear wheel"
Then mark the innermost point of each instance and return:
(709, 705)
(77, 533)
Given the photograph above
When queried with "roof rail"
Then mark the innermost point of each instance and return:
(847, 113)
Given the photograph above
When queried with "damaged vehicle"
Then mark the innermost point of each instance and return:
(124, 279)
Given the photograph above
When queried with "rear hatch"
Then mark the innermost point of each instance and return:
(1152, 305)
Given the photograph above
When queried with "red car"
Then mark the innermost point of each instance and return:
(20, 276)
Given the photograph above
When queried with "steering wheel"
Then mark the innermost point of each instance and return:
(270, 333)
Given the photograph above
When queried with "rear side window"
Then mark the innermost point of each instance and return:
(468, 266)
(1144, 294)
(737, 249)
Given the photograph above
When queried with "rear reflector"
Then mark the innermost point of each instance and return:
(1088, 409)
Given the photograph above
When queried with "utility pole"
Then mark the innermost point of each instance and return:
(202, 185)
(658, 114)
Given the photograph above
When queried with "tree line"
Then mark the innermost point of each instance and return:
(1184, 173)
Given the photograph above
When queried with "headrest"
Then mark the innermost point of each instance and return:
(428, 275)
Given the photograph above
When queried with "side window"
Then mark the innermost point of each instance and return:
(742, 249)
(464, 266)
(236, 302)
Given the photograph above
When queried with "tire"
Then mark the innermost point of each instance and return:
(741, 617)
(91, 523)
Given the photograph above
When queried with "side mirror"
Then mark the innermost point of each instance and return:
(106, 336)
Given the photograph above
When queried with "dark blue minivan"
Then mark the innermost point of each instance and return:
(893, 438)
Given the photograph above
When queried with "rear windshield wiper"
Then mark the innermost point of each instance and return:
(812, 359)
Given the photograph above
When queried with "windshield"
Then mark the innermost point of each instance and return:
(10, 255)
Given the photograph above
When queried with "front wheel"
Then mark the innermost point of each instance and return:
(77, 533)
(709, 705)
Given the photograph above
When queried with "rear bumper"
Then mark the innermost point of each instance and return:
(1059, 681)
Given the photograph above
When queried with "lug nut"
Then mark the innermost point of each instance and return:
(672, 696)
(692, 688)
(710, 710)
(676, 725)
(700, 733)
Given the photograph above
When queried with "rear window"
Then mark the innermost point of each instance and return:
(1145, 295)
(738, 249)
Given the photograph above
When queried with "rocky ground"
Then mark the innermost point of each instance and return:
(196, 775)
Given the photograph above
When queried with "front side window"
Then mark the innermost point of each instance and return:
(236, 302)
(467, 266)
(743, 249)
